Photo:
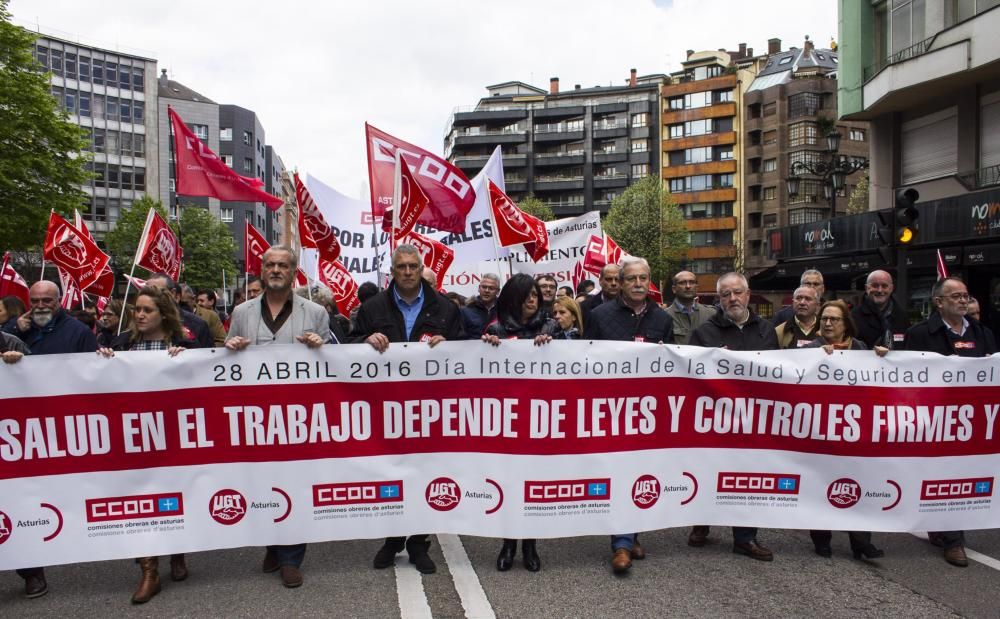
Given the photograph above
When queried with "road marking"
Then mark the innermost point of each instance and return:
(470, 590)
(986, 560)
(410, 590)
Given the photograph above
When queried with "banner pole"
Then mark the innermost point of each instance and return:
(397, 191)
(495, 236)
(225, 305)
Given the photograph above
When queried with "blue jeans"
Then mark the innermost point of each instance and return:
(951, 539)
(623, 540)
(744, 535)
(290, 555)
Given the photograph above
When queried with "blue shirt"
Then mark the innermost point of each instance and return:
(410, 311)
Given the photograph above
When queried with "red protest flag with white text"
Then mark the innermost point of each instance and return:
(74, 251)
(11, 282)
(413, 200)
(614, 253)
(254, 246)
(515, 227)
(450, 193)
(314, 232)
(200, 172)
(159, 250)
(104, 287)
(300, 279)
(436, 255)
(72, 296)
(335, 276)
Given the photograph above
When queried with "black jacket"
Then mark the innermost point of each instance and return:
(379, 314)
(756, 334)
(591, 303)
(539, 324)
(63, 334)
(475, 317)
(872, 326)
(932, 335)
(198, 328)
(614, 320)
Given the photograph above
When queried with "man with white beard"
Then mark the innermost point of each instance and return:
(46, 329)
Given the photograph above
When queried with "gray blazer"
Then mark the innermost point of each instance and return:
(307, 317)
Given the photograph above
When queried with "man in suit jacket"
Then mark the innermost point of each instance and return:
(279, 317)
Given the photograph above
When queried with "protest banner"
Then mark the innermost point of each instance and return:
(145, 454)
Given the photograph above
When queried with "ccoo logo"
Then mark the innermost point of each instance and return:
(844, 493)
(443, 494)
(227, 506)
(645, 491)
(6, 527)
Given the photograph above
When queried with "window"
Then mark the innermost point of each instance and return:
(70, 103)
(640, 120)
(676, 103)
(810, 157)
(70, 66)
(702, 238)
(126, 178)
(804, 104)
(805, 215)
(930, 146)
(723, 153)
(139, 145)
(770, 165)
(770, 193)
(226, 134)
(706, 210)
(722, 96)
(810, 190)
(640, 146)
(907, 24)
(228, 160)
(698, 155)
(125, 77)
(698, 127)
(111, 108)
(111, 73)
(57, 62)
(84, 104)
(200, 131)
(989, 131)
(226, 214)
(770, 109)
(723, 180)
(785, 60)
(800, 134)
(640, 170)
(42, 56)
(677, 185)
(770, 137)
(770, 221)
(676, 131)
(126, 107)
(698, 99)
(98, 71)
(138, 109)
(856, 135)
(247, 165)
(138, 79)
(139, 179)
(172, 185)
(247, 139)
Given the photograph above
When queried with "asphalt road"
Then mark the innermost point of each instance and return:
(675, 580)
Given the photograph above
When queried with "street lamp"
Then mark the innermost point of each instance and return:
(832, 171)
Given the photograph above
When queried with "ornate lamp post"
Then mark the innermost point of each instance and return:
(832, 171)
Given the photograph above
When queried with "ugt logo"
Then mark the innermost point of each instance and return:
(443, 494)
(227, 506)
(645, 491)
(844, 493)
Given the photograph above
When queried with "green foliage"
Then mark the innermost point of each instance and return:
(646, 222)
(208, 245)
(533, 206)
(208, 248)
(41, 163)
(858, 202)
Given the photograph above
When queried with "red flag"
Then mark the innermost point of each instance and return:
(74, 251)
(11, 283)
(136, 283)
(594, 258)
(614, 254)
(335, 276)
(300, 279)
(159, 250)
(449, 190)
(314, 232)
(104, 287)
(200, 172)
(413, 200)
(942, 268)
(436, 256)
(72, 297)
(254, 246)
(515, 227)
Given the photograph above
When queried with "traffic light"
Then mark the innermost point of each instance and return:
(906, 215)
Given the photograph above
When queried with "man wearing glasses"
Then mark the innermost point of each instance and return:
(949, 331)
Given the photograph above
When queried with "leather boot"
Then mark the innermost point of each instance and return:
(506, 557)
(178, 568)
(529, 554)
(150, 583)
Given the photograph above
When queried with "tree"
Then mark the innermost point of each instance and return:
(208, 248)
(123, 241)
(858, 202)
(41, 160)
(646, 222)
(533, 206)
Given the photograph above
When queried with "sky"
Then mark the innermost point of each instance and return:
(315, 72)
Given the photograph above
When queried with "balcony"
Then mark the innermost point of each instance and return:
(709, 195)
(609, 129)
(471, 162)
(719, 110)
(714, 251)
(694, 141)
(709, 167)
(554, 135)
(490, 138)
(753, 206)
(514, 160)
(610, 157)
(605, 181)
(712, 83)
(559, 159)
(565, 111)
(711, 223)
(515, 183)
(755, 234)
(981, 178)
(610, 108)
(465, 117)
(558, 183)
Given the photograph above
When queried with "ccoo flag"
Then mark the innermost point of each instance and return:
(515, 227)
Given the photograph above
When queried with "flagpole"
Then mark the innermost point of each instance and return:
(225, 308)
(495, 235)
(397, 191)
(135, 258)
(3, 273)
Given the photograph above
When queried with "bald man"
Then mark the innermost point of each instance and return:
(881, 321)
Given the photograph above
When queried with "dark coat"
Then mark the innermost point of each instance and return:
(12, 343)
(198, 328)
(616, 321)
(591, 303)
(475, 317)
(756, 334)
(872, 326)
(539, 324)
(380, 314)
(932, 335)
(64, 334)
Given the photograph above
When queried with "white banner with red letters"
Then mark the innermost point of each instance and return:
(144, 454)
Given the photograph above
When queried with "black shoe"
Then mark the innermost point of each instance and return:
(35, 586)
(506, 557)
(386, 556)
(868, 551)
(824, 550)
(529, 555)
(420, 558)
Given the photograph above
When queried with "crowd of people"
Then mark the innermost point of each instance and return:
(171, 317)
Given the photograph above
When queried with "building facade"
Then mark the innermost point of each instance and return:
(702, 120)
(925, 74)
(279, 183)
(575, 150)
(790, 107)
(113, 96)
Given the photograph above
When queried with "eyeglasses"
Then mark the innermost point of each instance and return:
(956, 296)
(833, 319)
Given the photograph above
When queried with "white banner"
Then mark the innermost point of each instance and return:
(148, 455)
